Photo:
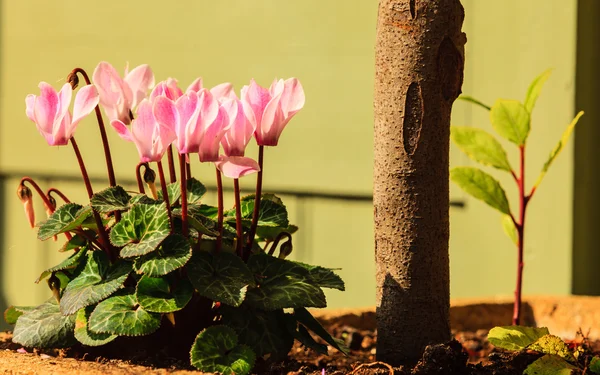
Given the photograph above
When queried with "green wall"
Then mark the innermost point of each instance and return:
(325, 154)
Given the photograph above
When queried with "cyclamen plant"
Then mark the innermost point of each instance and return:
(167, 261)
(512, 120)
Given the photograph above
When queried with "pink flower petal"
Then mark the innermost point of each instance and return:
(240, 133)
(167, 88)
(292, 99)
(223, 91)
(211, 136)
(195, 86)
(62, 132)
(139, 80)
(45, 108)
(85, 101)
(111, 87)
(122, 130)
(165, 112)
(64, 100)
(237, 167)
(29, 213)
(257, 98)
(29, 105)
(272, 124)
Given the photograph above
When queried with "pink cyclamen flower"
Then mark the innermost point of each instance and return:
(120, 96)
(50, 111)
(241, 130)
(198, 120)
(220, 91)
(151, 138)
(168, 88)
(270, 110)
(237, 166)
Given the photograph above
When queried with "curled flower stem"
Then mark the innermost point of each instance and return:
(238, 217)
(257, 197)
(59, 193)
(184, 208)
(172, 174)
(165, 193)
(86, 180)
(109, 163)
(219, 209)
(138, 176)
(277, 239)
(37, 188)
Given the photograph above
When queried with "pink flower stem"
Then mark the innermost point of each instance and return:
(219, 209)
(59, 193)
(138, 176)
(257, 197)
(184, 208)
(165, 193)
(109, 163)
(172, 174)
(523, 200)
(238, 217)
(37, 188)
(86, 180)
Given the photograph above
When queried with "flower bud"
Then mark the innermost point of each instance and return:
(54, 285)
(73, 79)
(285, 249)
(149, 176)
(25, 195)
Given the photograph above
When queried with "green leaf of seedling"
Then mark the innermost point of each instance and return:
(216, 349)
(323, 277)
(14, 312)
(272, 212)
(550, 344)
(481, 186)
(84, 335)
(174, 252)
(282, 284)
(550, 365)
(304, 317)
(263, 331)
(195, 191)
(122, 315)
(558, 148)
(509, 228)
(141, 229)
(595, 365)
(66, 218)
(96, 281)
(511, 120)
(533, 92)
(112, 199)
(268, 233)
(174, 192)
(471, 99)
(223, 277)
(480, 146)
(155, 294)
(45, 327)
(69, 263)
(515, 337)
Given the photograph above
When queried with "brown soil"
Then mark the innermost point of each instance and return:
(469, 354)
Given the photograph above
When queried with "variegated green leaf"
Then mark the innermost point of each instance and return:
(14, 312)
(216, 349)
(174, 252)
(66, 218)
(69, 263)
(45, 327)
(122, 315)
(155, 294)
(98, 280)
(84, 335)
(141, 229)
(114, 198)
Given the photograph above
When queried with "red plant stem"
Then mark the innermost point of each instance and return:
(188, 169)
(523, 200)
(138, 176)
(59, 193)
(238, 217)
(165, 193)
(257, 197)
(219, 209)
(184, 208)
(172, 174)
(86, 180)
(37, 188)
(109, 163)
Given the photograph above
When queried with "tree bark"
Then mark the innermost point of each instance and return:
(418, 75)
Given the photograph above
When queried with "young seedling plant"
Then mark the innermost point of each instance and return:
(556, 356)
(166, 261)
(511, 119)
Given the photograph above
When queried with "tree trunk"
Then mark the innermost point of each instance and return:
(418, 75)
